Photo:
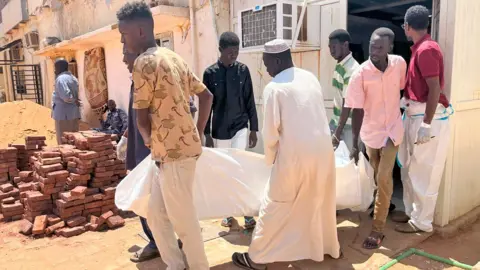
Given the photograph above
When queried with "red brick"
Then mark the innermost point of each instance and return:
(106, 163)
(92, 191)
(3, 170)
(115, 222)
(39, 206)
(75, 221)
(51, 168)
(101, 159)
(25, 227)
(58, 175)
(104, 217)
(51, 229)
(6, 187)
(80, 177)
(11, 207)
(35, 138)
(71, 164)
(87, 155)
(48, 161)
(95, 204)
(98, 138)
(18, 146)
(52, 220)
(34, 196)
(108, 202)
(80, 171)
(39, 225)
(67, 196)
(8, 164)
(9, 200)
(69, 232)
(50, 154)
(78, 191)
(104, 174)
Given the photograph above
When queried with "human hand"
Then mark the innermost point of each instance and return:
(78, 102)
(122, 149)
(209, 141)
(252, 140)
(335, 141)
(354, 154)
(423, 135)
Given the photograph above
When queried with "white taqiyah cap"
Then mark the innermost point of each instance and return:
(276, 46)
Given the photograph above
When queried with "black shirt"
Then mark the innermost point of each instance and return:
(233, 101)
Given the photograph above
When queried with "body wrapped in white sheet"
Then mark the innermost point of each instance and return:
(228, 182)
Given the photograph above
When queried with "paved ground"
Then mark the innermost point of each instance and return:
(112, 249)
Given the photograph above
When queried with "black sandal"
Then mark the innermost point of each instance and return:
(243, 261)
(373, 242)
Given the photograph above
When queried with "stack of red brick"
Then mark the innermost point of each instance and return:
(8, 164)
(11, 208)
(23, 163)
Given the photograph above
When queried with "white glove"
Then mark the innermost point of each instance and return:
(424, 135)
(122, 149)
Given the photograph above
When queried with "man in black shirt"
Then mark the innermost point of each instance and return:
(233, 104)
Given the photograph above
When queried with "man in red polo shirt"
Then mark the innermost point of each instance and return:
(424, 149)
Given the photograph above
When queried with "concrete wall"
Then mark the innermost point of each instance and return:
(460, 190)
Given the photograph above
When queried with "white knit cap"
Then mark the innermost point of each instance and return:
(276, 46)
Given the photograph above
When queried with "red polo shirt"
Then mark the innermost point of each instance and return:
(426, 62)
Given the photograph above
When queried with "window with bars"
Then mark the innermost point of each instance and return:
(259, 27)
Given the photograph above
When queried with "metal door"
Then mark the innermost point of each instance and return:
(27, 83)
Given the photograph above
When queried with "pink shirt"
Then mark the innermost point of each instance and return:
(378, 94)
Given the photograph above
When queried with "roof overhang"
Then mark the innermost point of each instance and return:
(166, 18)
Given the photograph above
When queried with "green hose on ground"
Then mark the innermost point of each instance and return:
(427, 255)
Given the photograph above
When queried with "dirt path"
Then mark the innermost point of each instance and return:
(112, 250)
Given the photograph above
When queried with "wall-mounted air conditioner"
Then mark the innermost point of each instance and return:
(32, 40)
(278, 20)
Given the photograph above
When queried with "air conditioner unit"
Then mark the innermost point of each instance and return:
(32, 40)
(278, 20)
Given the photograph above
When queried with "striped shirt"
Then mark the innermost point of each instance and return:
(341, 77)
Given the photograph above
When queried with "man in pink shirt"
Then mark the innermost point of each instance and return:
(374, 94)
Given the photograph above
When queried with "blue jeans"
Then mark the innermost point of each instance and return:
(148, 233)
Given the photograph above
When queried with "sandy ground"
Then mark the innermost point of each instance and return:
(112, 249)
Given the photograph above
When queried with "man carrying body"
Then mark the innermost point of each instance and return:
(341, 125)
(424, 151)
(163, 85)
(66, 104)
(297, 219)
(233, 104)
(374, 94)
(117, 120)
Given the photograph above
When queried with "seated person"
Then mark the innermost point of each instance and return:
(117, 120)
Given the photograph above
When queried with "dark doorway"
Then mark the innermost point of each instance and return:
(27, 83)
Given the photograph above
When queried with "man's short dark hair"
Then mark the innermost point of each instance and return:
(384, 32)
(61, 64)
(228, 39)
(132, 11)
(340, 35)
(418, 17)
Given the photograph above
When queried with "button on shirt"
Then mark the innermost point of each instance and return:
(378, 94)
(426, 62)
(233, 100)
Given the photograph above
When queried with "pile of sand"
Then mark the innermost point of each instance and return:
(22, 118)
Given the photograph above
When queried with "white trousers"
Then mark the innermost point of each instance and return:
(239, 141)
(171, 209)
(422, 168)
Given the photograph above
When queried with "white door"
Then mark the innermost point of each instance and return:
(333, 16)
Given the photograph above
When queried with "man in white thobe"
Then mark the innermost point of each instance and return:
(297, 218)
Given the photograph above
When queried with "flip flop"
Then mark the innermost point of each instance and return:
(371, 239)
(243, 261)
(144, 254)
(250, 223)
(408, 228)
(227, 222)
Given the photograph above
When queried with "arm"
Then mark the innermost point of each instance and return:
(429, 66)
(250, 103)
(124, 120)
(343, 120)
(205, 100)
(207, 131)
(355, 99)
(142, 98)
(271, 125)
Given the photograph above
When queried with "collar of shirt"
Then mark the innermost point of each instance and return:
(389, 66)
(415, 46)
(346, 59)
(220, 64)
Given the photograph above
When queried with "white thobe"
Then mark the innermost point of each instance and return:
(422, 165)
(297, 218)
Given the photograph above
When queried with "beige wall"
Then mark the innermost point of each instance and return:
(460, 190)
